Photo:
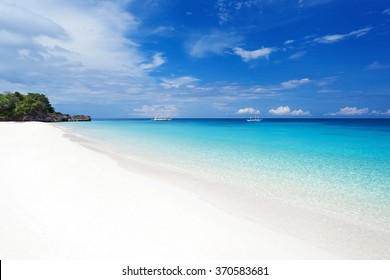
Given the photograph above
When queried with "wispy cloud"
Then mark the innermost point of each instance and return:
(327, 81)
(217, 43)
(297, 55)
(377, 66)
(379, 113)
(157, 111)
(328, 91)
(69, 37)
(248, 110)
(288, 42)
(386, 12)
(157, 61)
(330, 39)
(236, 91)
(253, 55)
(295, 83)
(227, 9)
(75, 51)
(177, 82)
(104, 52)
(163, 30)
(23, 22)
(97, 35)
(387, 113)
(223, 13)
(349, 111)
(286, 111)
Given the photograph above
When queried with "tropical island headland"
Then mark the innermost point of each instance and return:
(32, 107)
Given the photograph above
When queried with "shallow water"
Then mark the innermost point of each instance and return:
(340, 168)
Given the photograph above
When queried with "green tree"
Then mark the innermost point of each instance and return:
(8, 103)
(33, 104)
(4, 106)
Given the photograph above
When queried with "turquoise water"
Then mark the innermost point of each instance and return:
(341, 167)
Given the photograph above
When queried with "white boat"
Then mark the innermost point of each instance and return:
(161, 119)
(254, 119)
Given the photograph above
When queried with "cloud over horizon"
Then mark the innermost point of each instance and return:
(157, 110)
(286, 111)
(349, 111)
(247, 110)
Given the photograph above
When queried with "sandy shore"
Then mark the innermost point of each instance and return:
(60, 200)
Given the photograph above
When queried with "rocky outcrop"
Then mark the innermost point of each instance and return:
(81, 118)
(56, 117)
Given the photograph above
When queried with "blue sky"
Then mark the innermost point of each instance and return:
(204, 58)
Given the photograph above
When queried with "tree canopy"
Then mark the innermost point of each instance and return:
(16, 106)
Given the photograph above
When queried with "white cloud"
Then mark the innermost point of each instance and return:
(295, 83)
(286, 111)
(297, 55)
(253, 55)
(360, 32)
(19, 20)
(282, 110)
(215, 43)
(378, 113)
(75, 51)
(349, 111)
(163, 30)
(97, 34)
(288, 42)
(330, 39)
(375, 112)
(386, 12)
(327, 81)
(93, 37)
(158, 60)
(13, 39)
(157, 111)
(223, 14)
(377, 66)
(178, 82)
(222, 106)
(247, 111)
(300, 112)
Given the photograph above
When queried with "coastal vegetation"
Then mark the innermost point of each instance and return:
(32, 107)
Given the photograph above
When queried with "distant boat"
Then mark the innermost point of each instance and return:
(254, 119)
(161, 119)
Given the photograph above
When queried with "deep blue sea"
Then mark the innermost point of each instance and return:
(341, 166)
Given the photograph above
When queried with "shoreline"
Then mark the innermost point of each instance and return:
(317, 227)
(62, 200)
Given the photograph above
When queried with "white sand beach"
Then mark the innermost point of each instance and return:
(60, 200)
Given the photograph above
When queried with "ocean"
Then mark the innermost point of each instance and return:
(338, 167)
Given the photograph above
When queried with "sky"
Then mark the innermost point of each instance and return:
(204, 58)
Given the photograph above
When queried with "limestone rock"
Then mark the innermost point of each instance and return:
(81, 118)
